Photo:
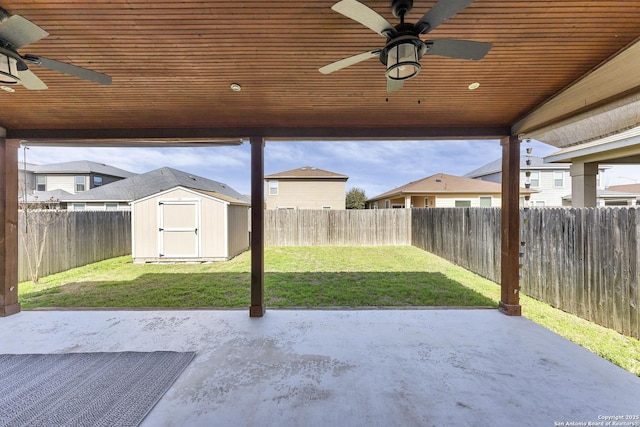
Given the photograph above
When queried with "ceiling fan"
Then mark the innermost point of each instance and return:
(404, 48)
(16, 32)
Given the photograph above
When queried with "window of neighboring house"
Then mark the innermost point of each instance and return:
(398, 206)
(97, 181)
(41, 183)
(485, 201)
(79, 206)
(558, 179)
(598, 180)
(538, 204)
(386, 204)
(463, 203)
(79, 183)
(534, 179)
(273, 188)
(326, 208)
(111, 206)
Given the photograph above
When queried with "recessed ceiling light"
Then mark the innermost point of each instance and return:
(474, 86)
(235, 87)
(7, 89)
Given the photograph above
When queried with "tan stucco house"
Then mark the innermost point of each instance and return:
(441, 191)
(306, 188)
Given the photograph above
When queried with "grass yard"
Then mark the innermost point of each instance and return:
(311, 277)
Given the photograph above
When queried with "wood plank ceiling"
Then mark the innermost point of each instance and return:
(172, 63)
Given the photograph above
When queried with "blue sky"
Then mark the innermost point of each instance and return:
(375, 166)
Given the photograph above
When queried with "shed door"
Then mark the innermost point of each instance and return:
(179, 237)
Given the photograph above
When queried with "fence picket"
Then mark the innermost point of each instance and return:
(79, 238)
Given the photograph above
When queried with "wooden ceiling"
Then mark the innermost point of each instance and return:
(172, 63)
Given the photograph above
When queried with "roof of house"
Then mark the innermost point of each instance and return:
(156, 181)
(443, 183)
(29, 167)
(535, 163)
(307, 172)
(609, 194)
(625, 188)
(82, 166)
(45, 196)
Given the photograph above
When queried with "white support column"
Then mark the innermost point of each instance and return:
(407, 201)
(583, 185)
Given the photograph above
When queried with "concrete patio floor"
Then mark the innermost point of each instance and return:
(349, 367)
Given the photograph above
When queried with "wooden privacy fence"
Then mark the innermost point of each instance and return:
(468, 237)
(75, 238)
(581, 260)
(377, 227)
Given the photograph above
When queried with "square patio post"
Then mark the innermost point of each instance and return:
(510, 259)
(257, 308)
(9, 230)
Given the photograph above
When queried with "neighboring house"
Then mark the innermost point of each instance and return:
(26, 179)
(441, 191)
(44, 200)
(176, 216)
(609, 198)
(306, 188)
(551, 180)
(71, 177)
(633, 189)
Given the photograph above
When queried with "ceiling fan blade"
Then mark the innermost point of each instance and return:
(343, 63)
(20, 31)
(394, 85)
(440, 12)
(72, 70)
(365, 15)
(461, 49)
(31, 81)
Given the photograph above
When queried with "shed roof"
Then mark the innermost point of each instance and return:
(156, 181)
(307, 172)
(443, 183)
(81, 166)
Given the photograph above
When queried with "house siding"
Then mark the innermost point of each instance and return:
(449, 200)
(308, 194)
(99, 206)
(547, 192)
(62, 182)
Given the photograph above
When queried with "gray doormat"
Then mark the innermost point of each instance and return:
(85, 389)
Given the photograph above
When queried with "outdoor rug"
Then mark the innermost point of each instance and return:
(85, 389)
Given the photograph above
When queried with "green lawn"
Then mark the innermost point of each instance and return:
(311, 277)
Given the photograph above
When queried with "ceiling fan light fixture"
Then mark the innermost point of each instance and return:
(8, 70)
(401, 57)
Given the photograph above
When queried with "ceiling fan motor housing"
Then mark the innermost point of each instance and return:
(400, 8)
